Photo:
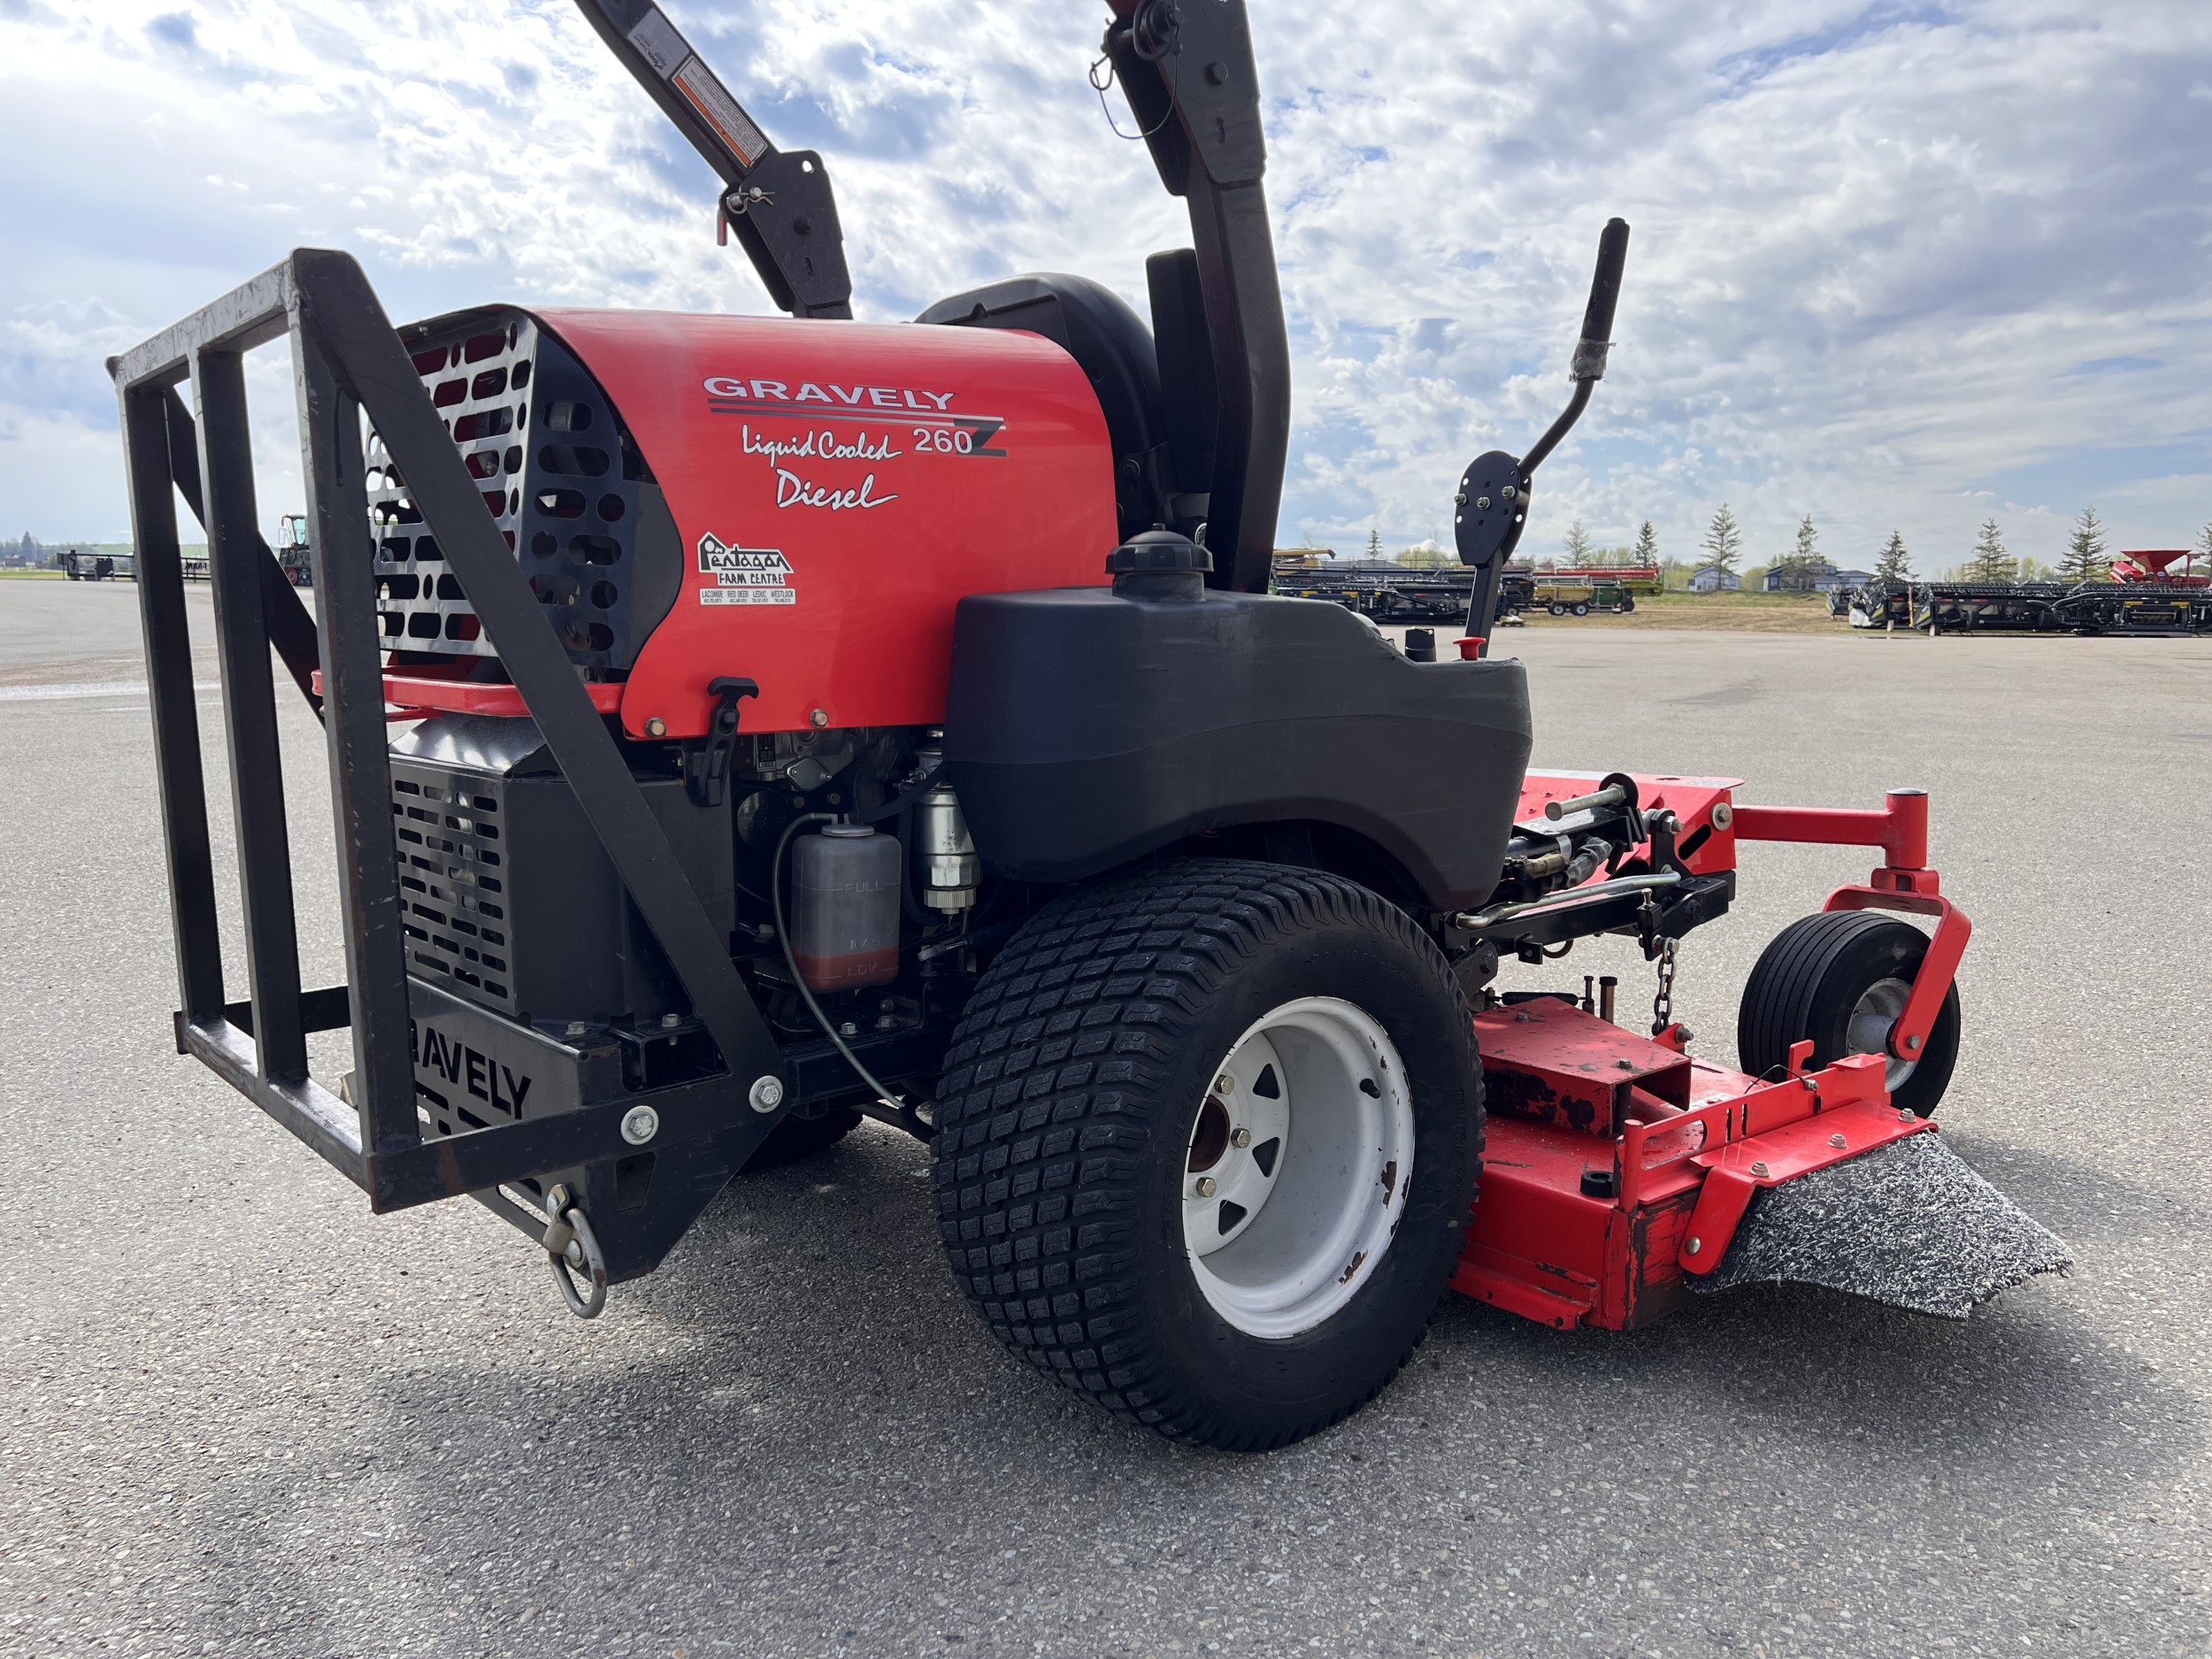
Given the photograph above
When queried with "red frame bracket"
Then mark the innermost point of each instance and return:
(1938, 968)
(1739, 1169)
(1900, 829)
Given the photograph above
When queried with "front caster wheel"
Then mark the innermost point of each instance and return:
(1207, 1140)
(1841, 979)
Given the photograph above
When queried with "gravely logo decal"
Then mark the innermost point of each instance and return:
(936, 427)
(495, 1085)
(744, 576)
(728, 390)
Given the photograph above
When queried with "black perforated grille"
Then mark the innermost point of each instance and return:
(556, 472)
(453, 888)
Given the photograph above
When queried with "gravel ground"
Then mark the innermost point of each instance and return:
(239, 1414)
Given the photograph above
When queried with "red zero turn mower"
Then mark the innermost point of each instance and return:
(739, 726)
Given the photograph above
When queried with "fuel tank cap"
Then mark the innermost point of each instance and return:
(1158, 549)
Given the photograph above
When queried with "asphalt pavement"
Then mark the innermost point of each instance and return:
(241, 1415)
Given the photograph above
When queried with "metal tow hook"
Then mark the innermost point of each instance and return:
(572, 1247)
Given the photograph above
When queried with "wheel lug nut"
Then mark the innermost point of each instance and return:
(1239, 1137)
(1225, 1083)
(1206, 1187)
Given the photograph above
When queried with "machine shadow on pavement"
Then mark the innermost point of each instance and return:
(807, 1427)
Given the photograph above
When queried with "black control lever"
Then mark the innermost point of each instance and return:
(1491, 506)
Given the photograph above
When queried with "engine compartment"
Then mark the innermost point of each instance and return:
(694, 497)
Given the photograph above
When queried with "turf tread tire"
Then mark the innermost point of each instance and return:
(1047, 1115)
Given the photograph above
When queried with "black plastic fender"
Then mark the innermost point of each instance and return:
(1084, 728)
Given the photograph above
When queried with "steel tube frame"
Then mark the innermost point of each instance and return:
(1900, 829)
(348, 362)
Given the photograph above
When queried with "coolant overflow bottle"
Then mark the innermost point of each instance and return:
(845, 920)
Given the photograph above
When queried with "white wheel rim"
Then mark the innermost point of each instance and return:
(1873, 1017)
(1284, 1225)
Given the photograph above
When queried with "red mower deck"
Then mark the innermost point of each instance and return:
(1617, 1165)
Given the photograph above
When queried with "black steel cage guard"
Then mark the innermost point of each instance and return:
(348, 359)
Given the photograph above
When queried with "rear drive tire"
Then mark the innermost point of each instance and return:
(1120, 1189)
(797, 1138)
(1840, 978)
(1557, 608)
(1582, 610)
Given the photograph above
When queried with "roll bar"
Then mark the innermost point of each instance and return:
(1188, 72)
(778, 201)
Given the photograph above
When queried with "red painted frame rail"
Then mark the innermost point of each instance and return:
(413, 696)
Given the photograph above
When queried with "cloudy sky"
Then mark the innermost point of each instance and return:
(1894, 265)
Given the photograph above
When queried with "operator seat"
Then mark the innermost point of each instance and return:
(1111, 345)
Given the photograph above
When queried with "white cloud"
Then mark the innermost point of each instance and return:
(1892, 263)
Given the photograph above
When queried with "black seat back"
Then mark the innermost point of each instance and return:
(1111, 345)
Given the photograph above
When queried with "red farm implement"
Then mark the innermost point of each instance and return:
(2146, 596)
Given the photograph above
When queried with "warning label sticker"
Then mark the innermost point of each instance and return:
(744, 576)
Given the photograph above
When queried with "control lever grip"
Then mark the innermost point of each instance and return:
(1494, 492)
(1605, 294)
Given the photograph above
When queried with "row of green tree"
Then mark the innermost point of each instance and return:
(2088, 558)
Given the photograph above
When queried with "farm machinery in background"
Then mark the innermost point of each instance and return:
(1382, 591)
(294, 557)
(1386, 592)
(2145, 595)
(295, 560)
(738, 726)
(1571, 590)
(291, 553)
(90, 564)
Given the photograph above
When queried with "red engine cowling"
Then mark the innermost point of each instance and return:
(836, 489)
